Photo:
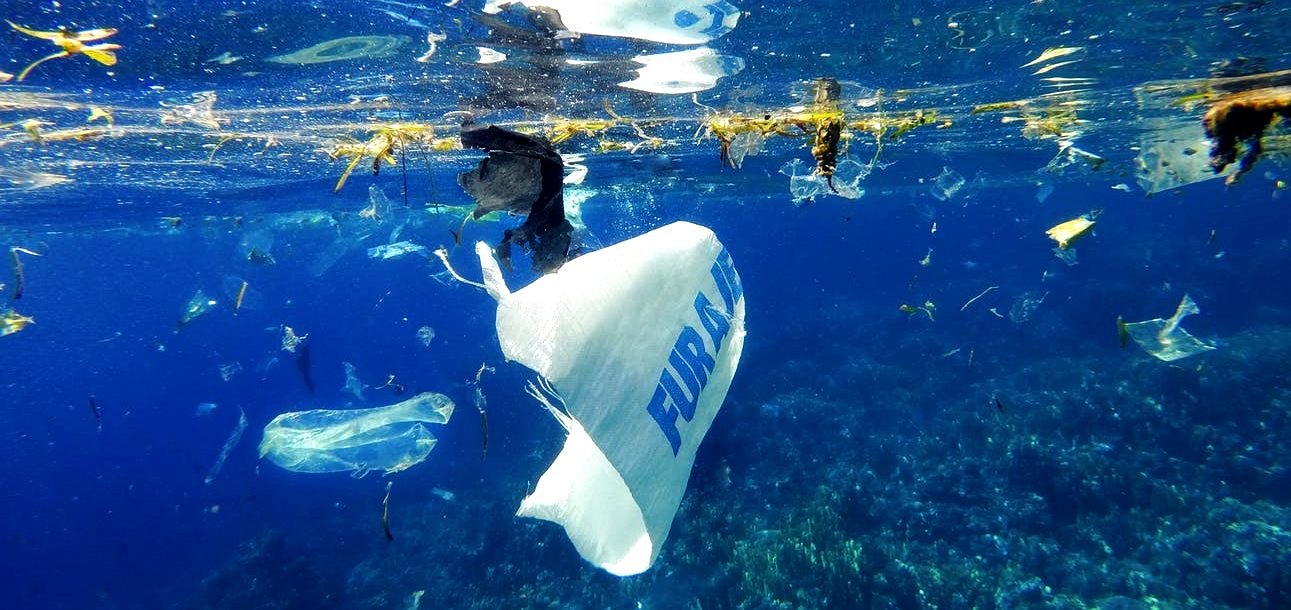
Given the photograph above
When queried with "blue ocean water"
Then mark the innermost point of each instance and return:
(932, 409)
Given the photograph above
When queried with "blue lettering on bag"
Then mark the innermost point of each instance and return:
(689, 359)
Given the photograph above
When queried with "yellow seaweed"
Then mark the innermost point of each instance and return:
(71, 43)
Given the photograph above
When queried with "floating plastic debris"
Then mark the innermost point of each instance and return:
(1066, 255)
(1044, 191)
(946, 184)
(1026, 305)
(669, 21)
(227, 371)
(1164, 338)
(352, 383)
(1172, 156)
(390, 438)
(197, 306)
(744, 144)
(425, 334)
(256, 247)
(201, 112)
(205, 409)
(341, 49)
(229, 444)
(1066, 233)
(290, 340)
(396, 250)
(379, 206)
(31, 180)
(1069, 156)
(444, 494)
(805, 185)
(12, 322)
(689, 71)
(658, 315)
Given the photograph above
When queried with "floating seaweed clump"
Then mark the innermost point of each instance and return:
(1240, 120)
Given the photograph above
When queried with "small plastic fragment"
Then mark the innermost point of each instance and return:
(352, 383)
(234, 437)
(290, 340)
(397, 250)
(228, 370)
(946, 184)
(425, 334)
(1066, 255)
(1164, 338)
(805, 184)
(1026, 305)
(197, 306)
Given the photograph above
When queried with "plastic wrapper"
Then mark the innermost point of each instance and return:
(1164, 338)
(391, 438)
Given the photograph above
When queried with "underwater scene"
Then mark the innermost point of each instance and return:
(692, 304)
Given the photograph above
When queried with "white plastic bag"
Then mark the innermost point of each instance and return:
(671, 21)
(640, 340)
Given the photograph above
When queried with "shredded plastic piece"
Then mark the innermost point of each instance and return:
(229, 444)
(425, 334)
(1164, 338)
(340, 49)
(805, 184)
(390, 438)
(396, 250)
(197, 306)
(352, 383)
(946, 184)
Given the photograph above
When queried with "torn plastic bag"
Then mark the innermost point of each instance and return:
(640, 341)
(1164, 338)
(390, 438)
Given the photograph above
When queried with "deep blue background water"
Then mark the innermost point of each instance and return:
(121, 518)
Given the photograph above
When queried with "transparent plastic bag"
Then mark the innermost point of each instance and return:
(391, 438)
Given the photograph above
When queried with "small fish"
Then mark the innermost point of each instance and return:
(224, 59)
(999, 406)
(98, 415)
(1210, 240)
(303, 361)
(242, 294)
(19, 277)
(385, 513)
(1052, 53)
